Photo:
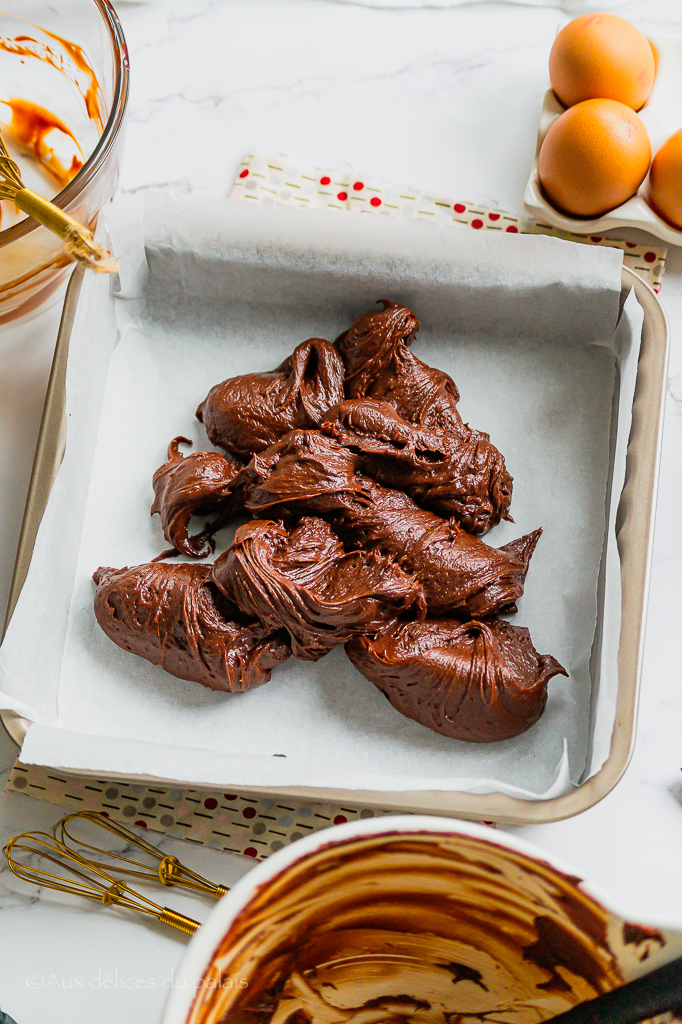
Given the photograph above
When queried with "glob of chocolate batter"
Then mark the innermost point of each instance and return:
(454, 476)
(198, 484)
(246, 414)
(374, 343)
(379, 364)
(461, 575)
(308, 473)
(475, 681)
(303, 581)
(305, 473)
(175, 617)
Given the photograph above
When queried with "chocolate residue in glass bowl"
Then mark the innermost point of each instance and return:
(28, 129)
(27, 46)
(174, 616)
(302, 580)
(419, 927)
(30, 124)
(476, 681)
(65, 138)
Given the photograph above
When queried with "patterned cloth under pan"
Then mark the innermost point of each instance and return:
(272, 178)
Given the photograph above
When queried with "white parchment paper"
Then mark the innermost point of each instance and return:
(525, 324)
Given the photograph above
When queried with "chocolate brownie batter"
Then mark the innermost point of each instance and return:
(198, 484)
(475, 681)
(175, 617)
(379, 364)
(303, 581)
(309, 473)
(246, 414)
(451, 475)
(381, 494)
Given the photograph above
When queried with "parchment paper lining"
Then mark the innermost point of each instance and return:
(526, 327)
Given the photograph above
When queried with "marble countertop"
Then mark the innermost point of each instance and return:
(443, 98)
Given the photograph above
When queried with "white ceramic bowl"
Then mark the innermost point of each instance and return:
(662, 117)
(632, 948)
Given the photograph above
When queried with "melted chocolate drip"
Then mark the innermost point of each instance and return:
(636, 934)
(308, 473)
(463, 478)
(475, 681)
(247, 414)
(303, 581)
(199, 484)
(460, 972)
(175, 617)
(642, 937)
(557, 946)
(379, 364)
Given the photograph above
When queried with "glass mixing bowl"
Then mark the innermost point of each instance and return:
(64, 78)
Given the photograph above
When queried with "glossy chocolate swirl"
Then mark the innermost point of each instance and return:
(198, 484)
(419, 927)
(376, 344)
(475, 681)
(246, 414)
(305, 473)
(451, 475)
(175, 617)
(379, 364)
(309, 473)
(303, 581)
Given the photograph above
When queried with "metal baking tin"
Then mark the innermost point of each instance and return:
(635, 540)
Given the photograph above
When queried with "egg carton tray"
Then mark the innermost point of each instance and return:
(662, 117)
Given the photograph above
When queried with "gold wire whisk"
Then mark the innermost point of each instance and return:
(79, 243)
(166, 869)
(88, 880)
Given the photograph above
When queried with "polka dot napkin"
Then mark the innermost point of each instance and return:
(272, 178)
(251, 824)
(237, 822)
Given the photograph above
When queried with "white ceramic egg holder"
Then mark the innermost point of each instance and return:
(662, 117)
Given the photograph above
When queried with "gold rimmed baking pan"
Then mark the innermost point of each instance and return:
(635, 532)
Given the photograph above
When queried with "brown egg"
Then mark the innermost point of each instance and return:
(602, 56)
(665, 181)
(594, 157)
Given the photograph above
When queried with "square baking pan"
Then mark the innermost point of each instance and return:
(634, 533)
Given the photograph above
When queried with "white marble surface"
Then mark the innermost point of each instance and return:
(441, 97)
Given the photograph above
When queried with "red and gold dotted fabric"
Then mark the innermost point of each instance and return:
(274, 179)
(245, 823)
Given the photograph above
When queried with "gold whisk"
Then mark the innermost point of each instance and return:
(165, 869)
(79, 243)
(93, 881)
(90, 881)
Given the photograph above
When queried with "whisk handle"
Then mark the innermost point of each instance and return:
(179, 921)
(79, 242)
